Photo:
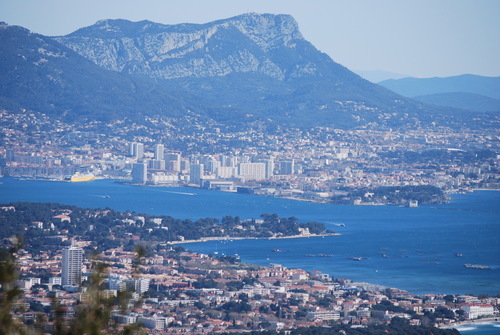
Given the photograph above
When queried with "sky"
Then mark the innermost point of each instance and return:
(420, 38)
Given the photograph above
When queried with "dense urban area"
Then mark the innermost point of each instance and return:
(360, 166)
(132, 269)
(83, 269)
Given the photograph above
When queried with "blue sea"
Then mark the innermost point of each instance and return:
(409, 248)
(478, 328)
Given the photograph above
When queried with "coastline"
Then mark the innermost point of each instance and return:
(127, 182)
(474, 322)
(227, 238)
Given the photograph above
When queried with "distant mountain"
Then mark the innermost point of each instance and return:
(40, 74)
(467, 83)
(376, 76)
(468, 101)
(252, 66)
(468, 92)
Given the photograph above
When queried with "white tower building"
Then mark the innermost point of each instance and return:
(72, 261)
(139, 173)
(159, 152)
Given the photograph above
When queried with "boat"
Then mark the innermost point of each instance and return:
(319, 255)
(477, 266)
(78, 177)
(276, 250)
(357, 258)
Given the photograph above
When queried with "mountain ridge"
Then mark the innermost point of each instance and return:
(467, 83)
(310, 86)
(41, 74)
(470, 92)
(464, 100)
(249, 68)
(177, 41)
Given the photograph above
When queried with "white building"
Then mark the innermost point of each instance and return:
(196, 173)
(226, 172)
(72, 261)
(139, 173)
(117, 283)
(474, 311)
(269, 168)
(136, 150)
(154, 322)
(287, 167)
(323, 315)
(173, 162)
(156, 164)
(141, 285)
(159, 152)
(252, 171)
(164, 178)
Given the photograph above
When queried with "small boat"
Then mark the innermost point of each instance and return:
(319, 255)
(477, 266)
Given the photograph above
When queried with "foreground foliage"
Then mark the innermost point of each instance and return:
(92, 316)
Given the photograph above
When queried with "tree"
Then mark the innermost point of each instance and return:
(9, 291)
(93, 313)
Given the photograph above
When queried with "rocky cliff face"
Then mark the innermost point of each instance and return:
(249, 68)
(241, 44)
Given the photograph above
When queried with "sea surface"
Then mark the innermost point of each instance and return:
(479, 328)
(422, 250)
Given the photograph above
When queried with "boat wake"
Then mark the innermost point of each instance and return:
(182, 193)
(462, 329)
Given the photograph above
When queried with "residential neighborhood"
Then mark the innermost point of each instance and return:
(171, 290)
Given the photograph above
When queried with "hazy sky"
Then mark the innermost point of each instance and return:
(424, 38)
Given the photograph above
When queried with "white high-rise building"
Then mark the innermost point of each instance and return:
(226, 172)
(252, 171)
(139, 173)
(269, 168)
(72, 260)
(136, 150)
(156, 164)
(159, 152)
(196, 173)
(173, 162)
(287, 167)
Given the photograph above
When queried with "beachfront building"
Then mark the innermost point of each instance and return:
(474, 311)
(139, 173)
